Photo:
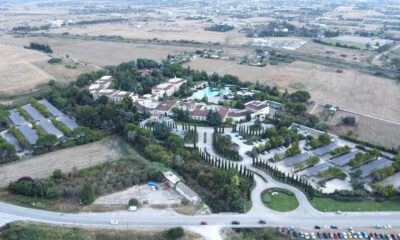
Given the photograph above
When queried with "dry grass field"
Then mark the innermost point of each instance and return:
(179, 30)
(351, 90)
(347, 54)
(112, 53)
(368, 129)
(22, 70)
(18, 74)
(79, 157)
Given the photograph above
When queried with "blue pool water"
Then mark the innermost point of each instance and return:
(210, 92)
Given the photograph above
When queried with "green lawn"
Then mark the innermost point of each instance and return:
(331, 205)
(284, 201)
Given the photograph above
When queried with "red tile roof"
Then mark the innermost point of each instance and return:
(166, 106)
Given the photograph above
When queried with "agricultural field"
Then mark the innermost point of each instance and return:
(352, 55)
(178, 30)
(79, 157)
(112, 53)
(350, 89)
(18, 74)
(367, 129)
(22, 70)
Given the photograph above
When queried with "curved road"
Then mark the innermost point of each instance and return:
(304, 216)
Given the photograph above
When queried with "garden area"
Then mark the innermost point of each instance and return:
(280, 200)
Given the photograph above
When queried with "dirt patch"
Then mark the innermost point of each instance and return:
(108, 149)
(350, 90)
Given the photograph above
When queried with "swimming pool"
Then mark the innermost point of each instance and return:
(210, 92)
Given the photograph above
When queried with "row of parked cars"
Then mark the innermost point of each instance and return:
(350, 234)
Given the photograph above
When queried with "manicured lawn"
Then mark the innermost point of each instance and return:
(283, 201)
(331, 205)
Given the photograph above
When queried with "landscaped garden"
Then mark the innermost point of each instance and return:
(280, 200)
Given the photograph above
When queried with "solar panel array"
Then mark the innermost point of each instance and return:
(30, 135)
(35, 114)
(344, 159)
(315, 170)
(16, 118)
(291, 161)
(325, 149)
(12, 140)
(49, 128)
(52, 110)
(71, 124)
(374, 166)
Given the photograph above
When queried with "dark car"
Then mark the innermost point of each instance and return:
(334, 227)
(262, 222)
(235, 223)
(325, 235)
(317, 227)
(203, 223)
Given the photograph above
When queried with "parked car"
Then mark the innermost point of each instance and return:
(306, 235)
(312, 235)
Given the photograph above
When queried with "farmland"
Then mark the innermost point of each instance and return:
(180, 30)
(352, 55)
(22, 71)
(350, 89)
(108, 149)
(368, 129)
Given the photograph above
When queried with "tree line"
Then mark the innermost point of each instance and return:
(40, 47)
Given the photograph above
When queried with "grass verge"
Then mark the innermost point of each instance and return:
(331, 205)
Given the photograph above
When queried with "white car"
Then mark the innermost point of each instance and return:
(113, 222)
(306, 236)
(312, 235)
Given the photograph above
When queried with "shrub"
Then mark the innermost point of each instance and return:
(349, 120)
(54, 60)
(175, 233)
(133, 202)
(87, 194)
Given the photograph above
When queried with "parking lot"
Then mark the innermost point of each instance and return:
(335, 232)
